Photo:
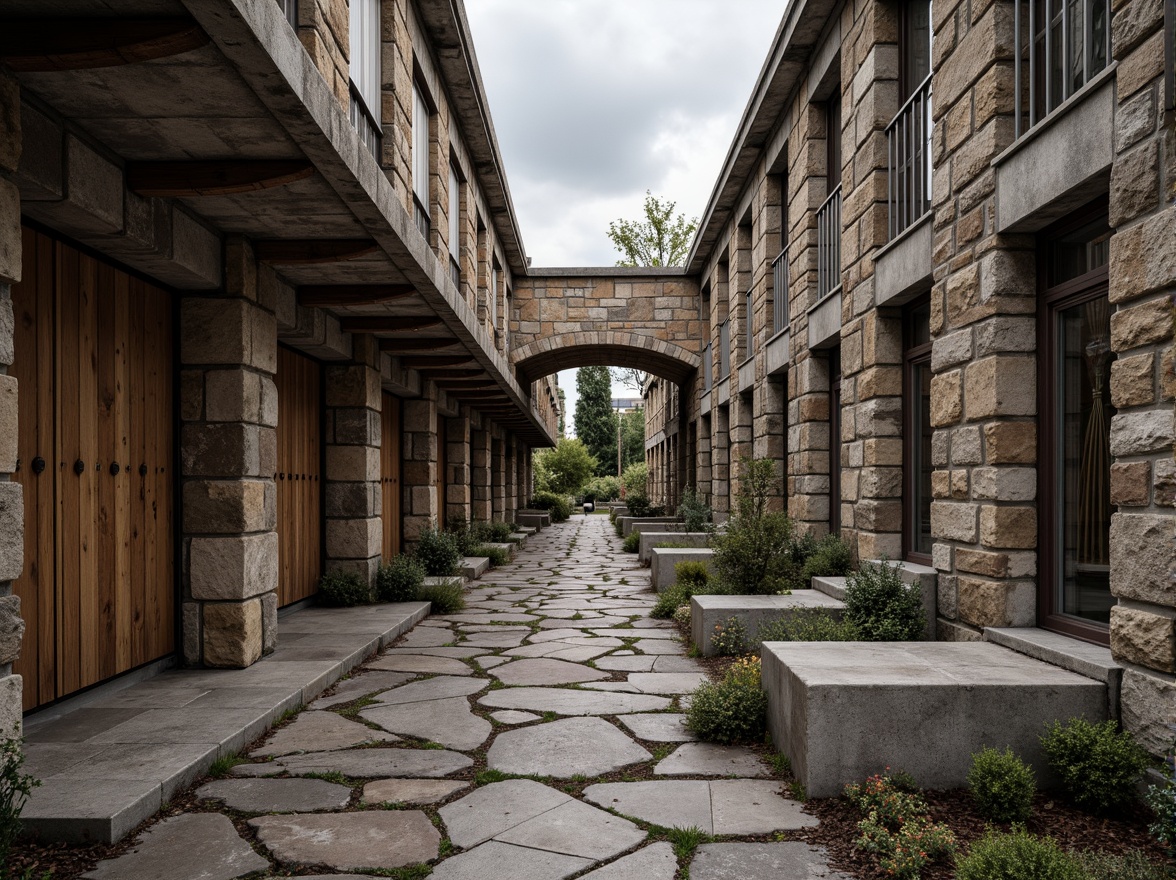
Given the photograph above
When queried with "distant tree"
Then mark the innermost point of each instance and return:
(564, 469)
(630, 377)
(633, 437)
(596, 422)
(660, 239)
(563, 412)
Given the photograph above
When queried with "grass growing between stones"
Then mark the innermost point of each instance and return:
(221, 766)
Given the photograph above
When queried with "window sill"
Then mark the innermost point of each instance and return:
(1083, 658)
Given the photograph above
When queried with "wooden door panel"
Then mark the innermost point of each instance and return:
(390, 458)
(299, 484)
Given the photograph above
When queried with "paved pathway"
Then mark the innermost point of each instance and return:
(538, 734)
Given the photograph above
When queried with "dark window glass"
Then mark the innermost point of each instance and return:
(1083, 250)
(835, 441)
(833, 139)
(916, 45)
(917, 433)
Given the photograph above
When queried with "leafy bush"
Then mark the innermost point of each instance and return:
(751, 557)
(465, 536)
(1162, 800)
(694, 510)
(1133, 865)
(808, 625)
(732, 710)
(896, 826)
(1097, 765)
(692, 579)
(730, 638)
(447, 596)
(830, 557)
(634, 478)
(1002, 785)
(632, 542)
(694, 574)
(681, 616)
(558, 506)
(400, 579)
(493, 532)
(882, 607)
(344, 589)
(603, 489)
(496, 555)
(1017, 855)
(15, 788)
(638, 503)
(438, 552)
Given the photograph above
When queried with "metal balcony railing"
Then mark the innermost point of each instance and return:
(780, 292)
(749, 322)
(1060, 46)
(908, 150)
(829, 245)
(707, 377)
(724, 349)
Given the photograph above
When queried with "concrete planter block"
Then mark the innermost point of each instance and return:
(519, 539)
(473, 567)
(437, 580)
(830, 586)
(842, 711)
(525, 530)
(627, 522)
(509, 549)
(535, 519)
(662, 561)
(666, 533)
(753, 611)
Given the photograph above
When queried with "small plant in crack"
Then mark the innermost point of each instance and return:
(221, 766)
(330, 776)
(781, 764)
(549, 716)
(686, 840)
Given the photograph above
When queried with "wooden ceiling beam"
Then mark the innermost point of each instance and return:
(177, 180)
(387, 323)
(447, 384)
(292, 252)
(326, 296)
(37, 45)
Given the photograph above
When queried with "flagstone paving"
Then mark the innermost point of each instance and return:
(555, 672)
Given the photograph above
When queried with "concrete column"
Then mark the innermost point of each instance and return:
(481, 508)
(498, 476)
(520, 476)
(352, 503)
(11, 493)
(419, 471)
(457, 457)
(228, 450)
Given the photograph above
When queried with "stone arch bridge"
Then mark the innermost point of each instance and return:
(645, 318)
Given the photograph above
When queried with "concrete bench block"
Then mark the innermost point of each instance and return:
(667, 534)
(473, 567)
(526, 530)
(535, 519)
(437, 580)
(627, 522)
(753, 611)
(842, 711)
(662, 561)
(830, 586)
(519, 539)
(508, 549)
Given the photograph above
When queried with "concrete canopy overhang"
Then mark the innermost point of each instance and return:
(253, 93)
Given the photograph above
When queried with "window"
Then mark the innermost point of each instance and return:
(829, 214)
(421, 118)
(494, 295)
(917, 431)
(454, 226)
(290, 10)
(835, 441)
(365, 72)
(908, 137)
(1074, 457)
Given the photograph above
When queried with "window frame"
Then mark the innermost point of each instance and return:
(913, 357)
(455, 183)
(364, 44)
(423, 112)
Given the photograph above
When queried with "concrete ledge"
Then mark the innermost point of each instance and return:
(662, 561)
(1083, 658)
(627, 522)
(841, 711)
(777, 353)
(535, 519)
(669, 536)
(473, 567)
(824, 327)
(902, 269)
(745, 375)
(753, 611)
(830, 586)
(438, 580)
(526, 531)
(110, 762)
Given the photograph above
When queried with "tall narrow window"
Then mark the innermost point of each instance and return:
(916, 532)
(1075, 361)
(454, 226)
(290, 10)
(908, 137)
(421, 117)
(829, 214)
(835, 441)
(494, 294)
(365, 72)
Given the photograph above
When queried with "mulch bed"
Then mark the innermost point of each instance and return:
(1072, 828)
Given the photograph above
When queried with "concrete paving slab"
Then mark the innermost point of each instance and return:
(761, 861)
(711, 759)
(350, 841)
(375, 763)
(676, 664)
(164, 852)
(545, 672)
(455, 651)
(658, 727)
(422, 664)
(667, 682)
(277, 795)
(438, 688)
(564, 701)
(749, 806)
(492, 809)
(489, 661)
(659, 646)
(411, 791)
(654, 862)
(511, 716)
(679, 803)
(501, 861)
(565, 748)
(576, 829)
(315, 731)
(448, 722)
(626, 663)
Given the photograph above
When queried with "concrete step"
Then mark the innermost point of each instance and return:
(1084, 658)
(842, 711)
(435, 580)
(110, 758)
(753, 612)
(663, 559)
(667, 534)
(526, 530)
(473, 567)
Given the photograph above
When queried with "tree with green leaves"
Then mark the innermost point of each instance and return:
(564, 469)
(660, 239)
(632, 437)
(596, 422)
(563, 412)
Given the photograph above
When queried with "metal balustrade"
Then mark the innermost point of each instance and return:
(908, 150)
(749, 323)
(780, 292)
(829, 245)
(724, 349)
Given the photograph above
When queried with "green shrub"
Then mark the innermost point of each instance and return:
(808, 625)
(891, 798)
(730, 638)
(496, 555)
(558, 506)
(493, 532)
(465, 536)
(632, 542)
(638, 503)
(1002, 785)
(695, 574)
(751, 557)
(896, 826)
(1133, 865)
(732, 710)
(1162, 800)
(1017, 855)
(1097, 765)
(830, 557)
(681, 616)
(692, 579)
(438, 552)
(447, 596)
(15, 788)
(603, 489)
(882, 607)
(694, 510)
(400, 579)
(344, 589)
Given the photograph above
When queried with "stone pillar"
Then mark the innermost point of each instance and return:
(498, 477)
(520, 476)
(704, 460)
(768, 426)
(481, 508)
(352, 498)
(419, 470)
(457, 458)
(11, 493)
(808, 444)
(721, 462)
(228, 451)
(511, 479)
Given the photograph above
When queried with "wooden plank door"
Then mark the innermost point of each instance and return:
(299, 484)
(442, 475)
(390, 458)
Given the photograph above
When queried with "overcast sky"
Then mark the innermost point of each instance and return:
(596, 101)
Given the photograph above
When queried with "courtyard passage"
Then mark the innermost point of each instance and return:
(538, 734)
